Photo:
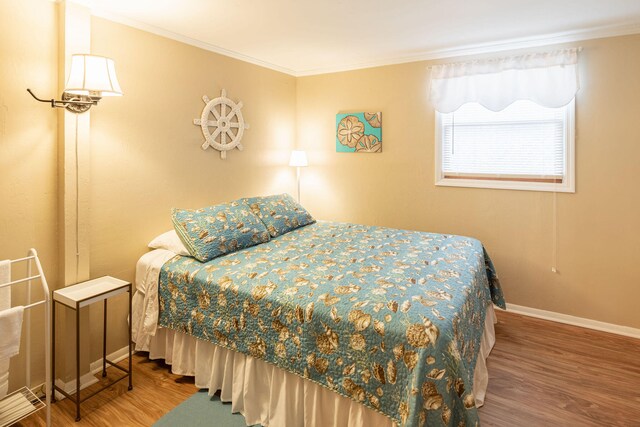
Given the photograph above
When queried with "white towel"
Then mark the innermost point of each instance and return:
(10, 330)
(5, 302)
(4, 377)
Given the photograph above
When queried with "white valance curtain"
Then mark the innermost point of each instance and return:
(549, 79)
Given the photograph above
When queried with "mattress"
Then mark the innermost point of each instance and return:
(454, 284)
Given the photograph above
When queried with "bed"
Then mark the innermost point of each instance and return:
(329, 324)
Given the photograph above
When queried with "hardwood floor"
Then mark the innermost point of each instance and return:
(541, 374)
(155, 392)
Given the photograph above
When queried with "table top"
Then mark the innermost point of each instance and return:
(85, 293)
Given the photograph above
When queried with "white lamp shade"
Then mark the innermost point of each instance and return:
(93, 76)
(298, 158)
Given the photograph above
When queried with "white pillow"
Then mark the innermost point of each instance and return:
(171, 242)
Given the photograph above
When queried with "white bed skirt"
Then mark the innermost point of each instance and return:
(270, 396)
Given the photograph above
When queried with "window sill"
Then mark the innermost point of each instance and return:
(566, 187)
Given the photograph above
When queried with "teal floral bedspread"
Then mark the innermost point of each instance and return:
(390, 318)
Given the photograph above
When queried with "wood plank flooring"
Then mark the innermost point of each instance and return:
(155, 392)
(541, 374)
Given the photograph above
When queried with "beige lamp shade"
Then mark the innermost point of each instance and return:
(93, 76)
(298, 158)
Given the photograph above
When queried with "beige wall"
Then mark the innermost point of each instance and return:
(28, 168)
(146, 154)
(146, 158)
(598, 226)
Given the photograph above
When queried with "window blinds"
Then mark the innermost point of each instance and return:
(522, 142)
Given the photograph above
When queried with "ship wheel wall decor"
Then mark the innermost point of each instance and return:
(222, 124)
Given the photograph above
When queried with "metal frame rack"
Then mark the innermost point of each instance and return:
(23, 402)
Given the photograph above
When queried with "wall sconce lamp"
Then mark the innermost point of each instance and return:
(91, 78)
(298, 159)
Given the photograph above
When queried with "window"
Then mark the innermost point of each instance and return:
(522, 147)
(507, 122)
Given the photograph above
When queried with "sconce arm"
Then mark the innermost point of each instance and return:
(53, 102)
(73, 103)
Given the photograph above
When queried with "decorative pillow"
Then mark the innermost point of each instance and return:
(171, 242)
(217, 230)
(280, 213)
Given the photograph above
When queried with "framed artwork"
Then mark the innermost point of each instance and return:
(359, 133)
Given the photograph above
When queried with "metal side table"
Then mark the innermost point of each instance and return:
(76, 297)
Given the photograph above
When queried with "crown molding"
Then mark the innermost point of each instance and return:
(490, 47)
(188, 40)
(466, 50)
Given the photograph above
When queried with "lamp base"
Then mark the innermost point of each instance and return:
(77, 103)
(298, 180)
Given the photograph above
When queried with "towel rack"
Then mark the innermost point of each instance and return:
(23, 402)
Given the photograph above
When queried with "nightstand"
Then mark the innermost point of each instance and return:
(76, 297)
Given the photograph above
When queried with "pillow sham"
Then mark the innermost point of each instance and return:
(170, 242)
(217, 230)
(280, 213)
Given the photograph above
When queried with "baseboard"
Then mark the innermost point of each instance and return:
(89, 378)
(114, 357)
(70, 387)
(574, 320)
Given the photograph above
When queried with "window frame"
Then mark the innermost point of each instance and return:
(567, 186)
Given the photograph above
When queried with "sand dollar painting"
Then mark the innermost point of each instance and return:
(359, 133)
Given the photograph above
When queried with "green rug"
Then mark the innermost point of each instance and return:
(202, 410)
